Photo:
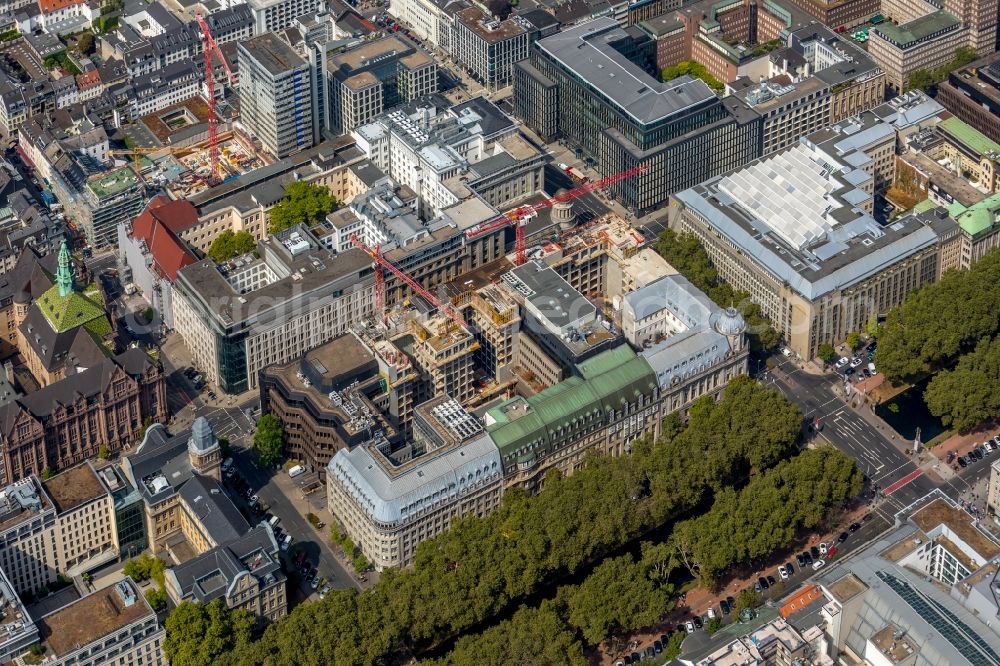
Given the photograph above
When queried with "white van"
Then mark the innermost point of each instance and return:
(274, 521)
(871, 369)
(295, 471)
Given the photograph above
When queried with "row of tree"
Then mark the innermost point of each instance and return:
(966, 396)
(925, 79)
(482, 567)
(940, 322)
(767, 515)
(685, 253)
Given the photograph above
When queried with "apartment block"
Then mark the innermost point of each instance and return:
(276, 95)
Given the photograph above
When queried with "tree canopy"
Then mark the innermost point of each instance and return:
(198, 634)
(768, 513)
(481, 567)
(268, 440)
(939, 322)
(303, 203)
(966, 396)
(924, 79)
(694, 69)
(685, 253)
(231, 244)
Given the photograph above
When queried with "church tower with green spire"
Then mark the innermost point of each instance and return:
(64, 274)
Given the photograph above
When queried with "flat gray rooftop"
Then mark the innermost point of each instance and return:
(273, 53)
(586, 50)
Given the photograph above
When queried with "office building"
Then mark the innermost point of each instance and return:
(923, 592)
(922, 44)
(237, 319)
(130, 514)
(245, 573)
(488, 47)
(69, 421)
(573, 86)
(276, 95)
(789, 111)
(114, 625)
(67, 328)
(980, 17)
(333, 396)
(65, 525)
(838, 14)
(429, 20)
(446, 153)
(607, 404)
(275, 15)
(795, 230)
(150, 252)
(973, 94)
(187, 512)
(855, 80)
(376, 76)
(693, 346)
(20, 632)
(390, 501)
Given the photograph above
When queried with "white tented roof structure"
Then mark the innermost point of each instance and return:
(789, 193)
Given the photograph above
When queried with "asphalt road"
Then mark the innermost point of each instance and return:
(878, 450)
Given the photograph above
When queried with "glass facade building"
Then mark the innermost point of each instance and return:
(594, 86)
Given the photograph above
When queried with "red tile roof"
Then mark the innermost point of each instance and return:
(802, 598)
(158, 226)
(49, 6)
(88, 79)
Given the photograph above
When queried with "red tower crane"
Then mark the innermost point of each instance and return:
(383, 263)
(519, 215)
(212, 51)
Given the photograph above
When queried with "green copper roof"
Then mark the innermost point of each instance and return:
(924, 206)
(977, 141)
(918, 29)
(537, 425)
(68, 312)
(977, 218)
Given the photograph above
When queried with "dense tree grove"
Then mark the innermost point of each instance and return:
(967, 396)
(231, 244)
(199, 634)
(685, 253)
(303, 203)
(766, 515)
(695, 70)
(483, 567)
(938, 323)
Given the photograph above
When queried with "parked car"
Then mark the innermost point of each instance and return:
(710, 614)
(855, 362)
(689, 626)
(807, 557)
(843, 537)
(697, 622)
(801, 559)
(842, 362)
(724, 606)
(814, 551)
(855, 527)
(657, 646)
(789, 568)
(962, 462)
(818, 564)
(783, 572)
(823, 548)
(762, 582)
(771, 581)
